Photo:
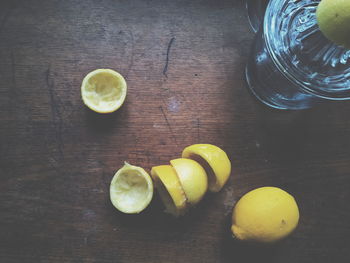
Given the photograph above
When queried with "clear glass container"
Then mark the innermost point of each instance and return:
(256, 10)
(292, 65)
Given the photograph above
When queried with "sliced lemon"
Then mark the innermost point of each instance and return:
(103, 90)
(193, 178)
(169, 189)
(215, 162)
(131, 189)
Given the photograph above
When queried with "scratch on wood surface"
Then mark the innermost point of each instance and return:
(168, 124)
(13, 71)
(56, 115)
(6, 16)
(54, 164)
(198, 135)
(165, 69)
(147, 154)
(105, 173)
(13, 95)
(131, 62)
(37, 175)
(38, 201)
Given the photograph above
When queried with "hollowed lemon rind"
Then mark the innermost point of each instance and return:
(104, 90)
(131, 189)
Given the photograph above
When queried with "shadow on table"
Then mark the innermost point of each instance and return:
(233, 250)
(288, 136)
(104, 123)
(154, 219)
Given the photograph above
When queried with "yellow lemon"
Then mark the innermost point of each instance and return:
(215, 162)
(103, 90)
(193, 178)
(131, 189)
(169, 188)
(333, 18)
(266, 214)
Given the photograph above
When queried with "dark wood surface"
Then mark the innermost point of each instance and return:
(58, 157)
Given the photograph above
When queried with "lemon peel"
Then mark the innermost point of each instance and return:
(169, 188)
(193, 178)
(266, 215)
(214, 160)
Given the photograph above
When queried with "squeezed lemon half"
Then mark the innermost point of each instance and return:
(266, 215)
(215, 162)
(104, 90)
(169, 188)
(131, 189)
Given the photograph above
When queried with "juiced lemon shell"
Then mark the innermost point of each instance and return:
(131, 189)
(103, 90)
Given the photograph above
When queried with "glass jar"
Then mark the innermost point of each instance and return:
(292, 65)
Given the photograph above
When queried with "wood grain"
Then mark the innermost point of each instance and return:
(184, 63)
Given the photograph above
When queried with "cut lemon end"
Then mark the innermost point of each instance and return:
(131, 189)
(214, 160)
(169, 189)
(103, 90)
(193, 179)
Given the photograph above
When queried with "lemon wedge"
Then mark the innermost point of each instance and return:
(169, 188)
(103, 90)
(193, 178)
(131, 189)
(266, 215)
(215, 162)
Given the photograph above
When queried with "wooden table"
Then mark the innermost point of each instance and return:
(184, 63)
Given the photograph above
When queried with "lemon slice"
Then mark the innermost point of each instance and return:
(169, 189)
(103, 90)
(131, 189)
(193, 178)
(215, 162)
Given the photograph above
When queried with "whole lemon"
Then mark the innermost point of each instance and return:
(266, 214)
(333, 18)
